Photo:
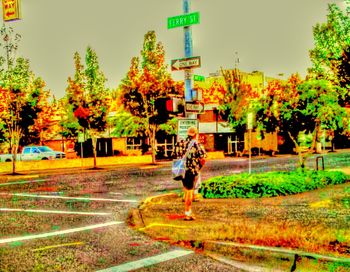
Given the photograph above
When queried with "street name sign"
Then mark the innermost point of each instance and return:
(195, 106)
(183, 20)
(250, 117)
(183, 125)
(198, 78)
(10, 10)
(186, 63)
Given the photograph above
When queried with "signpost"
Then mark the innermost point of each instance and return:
(183, 125)
(250, 127)
(183, 20)
(11, 10)
(186, 63)
(81, 140)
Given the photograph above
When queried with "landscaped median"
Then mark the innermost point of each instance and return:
(307, 223)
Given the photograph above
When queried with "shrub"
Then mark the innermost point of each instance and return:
(269, 184)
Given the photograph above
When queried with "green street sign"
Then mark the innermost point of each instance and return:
(198, 78)
(183, 20)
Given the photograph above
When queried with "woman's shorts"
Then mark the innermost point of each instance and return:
(189, 180)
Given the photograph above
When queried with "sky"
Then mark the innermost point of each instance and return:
(273, 36)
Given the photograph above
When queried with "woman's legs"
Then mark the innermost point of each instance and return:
(188, 184)
(197, 185)
(188, 201)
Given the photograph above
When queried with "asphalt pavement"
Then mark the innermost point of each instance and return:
(134, 181)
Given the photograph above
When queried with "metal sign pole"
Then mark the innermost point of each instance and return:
(250, 151)
(188, 54)
(81, 139)
(250, 127)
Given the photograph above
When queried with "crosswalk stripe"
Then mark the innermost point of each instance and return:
(74, 198)
(55, 233)
(23, 182)
(53, 211)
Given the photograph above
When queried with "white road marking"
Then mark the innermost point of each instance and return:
(148, 261)
(53, 211)
(68, 197)
(23, 182)
(55, 233)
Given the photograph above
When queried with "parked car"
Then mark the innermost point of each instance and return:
(34, 153)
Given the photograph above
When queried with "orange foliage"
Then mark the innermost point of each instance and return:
(214, 94)
(81, 112)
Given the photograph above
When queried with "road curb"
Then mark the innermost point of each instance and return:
(152, 198)
(281, 257)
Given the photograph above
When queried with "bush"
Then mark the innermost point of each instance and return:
(269, 184)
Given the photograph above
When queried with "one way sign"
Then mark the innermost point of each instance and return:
(186, 63)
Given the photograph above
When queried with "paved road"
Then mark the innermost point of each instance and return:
(111, 192)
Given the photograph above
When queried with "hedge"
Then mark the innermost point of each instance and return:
(269, 184)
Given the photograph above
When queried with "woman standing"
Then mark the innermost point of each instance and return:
(195, 153)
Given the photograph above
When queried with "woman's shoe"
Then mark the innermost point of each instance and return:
(189, 218)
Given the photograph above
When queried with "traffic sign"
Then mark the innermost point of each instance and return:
(186, 63)
(195, 106)
(188, 74)
(81, 137)
(198, 78)
(183, 20)
(250, 117)
(183, 125)
(11, 10)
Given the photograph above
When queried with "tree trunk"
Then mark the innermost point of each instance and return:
(14, 158)
(94, 141)
(153, 142)
(14, 143)
(314, 138)
(301, 158)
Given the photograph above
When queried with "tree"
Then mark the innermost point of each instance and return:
(344, 75)
(145, 83)
(44, 125)
(88, 98)
(214, 93)
(301, 106)
(18, 94)
(240, 98)
(68, 122)
(330, 56)
(124, 124)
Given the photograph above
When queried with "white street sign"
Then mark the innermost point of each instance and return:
(183, 125)
(186, 63)
(197, 107)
